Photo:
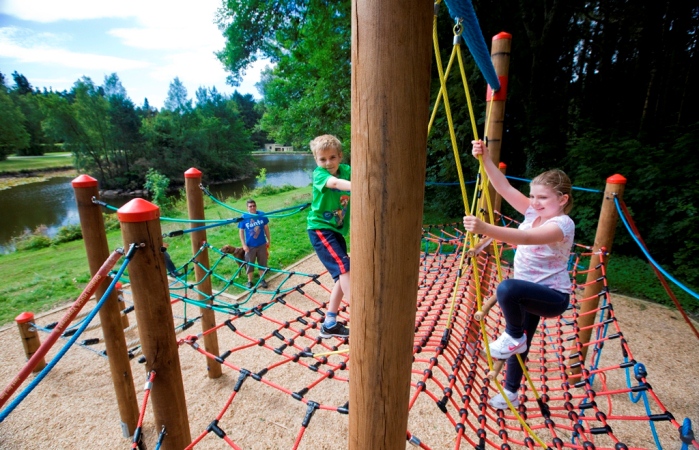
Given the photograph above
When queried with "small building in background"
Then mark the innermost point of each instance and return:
(278, 148)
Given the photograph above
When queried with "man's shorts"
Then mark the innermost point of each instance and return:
(256, 253)
(331, 249)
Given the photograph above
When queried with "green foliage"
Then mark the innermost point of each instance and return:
(262, 176)
(32, 240)
(13, 135)
(111, 222)
(67, 234)
(157, 184)
(635, 278)
(660, 209)
(307, 93)
(210, 137)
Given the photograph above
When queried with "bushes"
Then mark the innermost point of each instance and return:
(37, 239)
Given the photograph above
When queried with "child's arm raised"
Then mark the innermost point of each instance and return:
(339, 184)
(519, 201)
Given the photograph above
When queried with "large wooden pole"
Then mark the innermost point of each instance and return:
(151, 298)
(391, 56)
(604, 238)
(195, 206)
(495, 105)
(97, 249)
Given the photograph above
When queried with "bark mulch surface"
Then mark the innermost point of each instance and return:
(75, 406)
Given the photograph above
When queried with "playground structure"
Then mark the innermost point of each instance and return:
(451, 384)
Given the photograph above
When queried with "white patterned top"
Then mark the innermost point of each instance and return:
(546, 264)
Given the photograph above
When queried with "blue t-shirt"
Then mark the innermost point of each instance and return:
(254, 226)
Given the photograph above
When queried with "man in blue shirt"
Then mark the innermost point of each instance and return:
(255, 238)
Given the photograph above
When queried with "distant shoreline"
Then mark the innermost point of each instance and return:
(12, 179)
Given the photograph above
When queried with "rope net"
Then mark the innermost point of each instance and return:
(275, 360)
(272, 351)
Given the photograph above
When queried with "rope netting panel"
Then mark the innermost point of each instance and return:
(273, 351)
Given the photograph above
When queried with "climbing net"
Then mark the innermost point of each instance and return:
(272, 346)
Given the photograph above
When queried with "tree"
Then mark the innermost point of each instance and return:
(308, 91)
(29, 102)
(13, 136)
(177, 97)
(251, 113)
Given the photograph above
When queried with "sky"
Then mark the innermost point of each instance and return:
(147, 43)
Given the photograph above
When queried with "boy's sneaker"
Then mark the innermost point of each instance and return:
(506, 346)
(337, 330)
(263, 284)
(248, 285)
(498, 401)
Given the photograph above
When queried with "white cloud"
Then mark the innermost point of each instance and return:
(182, 32)
(27, 47)
(147, 12)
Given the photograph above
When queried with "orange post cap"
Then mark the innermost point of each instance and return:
(84, 181)
(25, 317)
(193, 173)
(502, 35)
(138, 210)
(616, 179)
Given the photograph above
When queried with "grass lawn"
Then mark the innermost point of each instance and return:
(39, 280)
(15, 164)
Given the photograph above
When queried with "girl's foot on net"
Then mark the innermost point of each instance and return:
(498, 401)
(506, 346)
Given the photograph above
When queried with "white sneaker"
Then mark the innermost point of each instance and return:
(498, 401)
(506, 346)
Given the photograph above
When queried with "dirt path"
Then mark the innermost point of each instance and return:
(74, 407)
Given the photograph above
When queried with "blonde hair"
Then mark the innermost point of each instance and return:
(324, 142)
(559, 182)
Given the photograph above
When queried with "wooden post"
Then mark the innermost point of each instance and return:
(97, 249)
(30, 338)
(391, 57)
(495, 105)
(195, 206)
(122, 305)
(149, 288)
(606, 229)
(497, 202)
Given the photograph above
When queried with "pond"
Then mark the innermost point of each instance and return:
(51, 203)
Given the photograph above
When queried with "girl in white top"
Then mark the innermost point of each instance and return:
(541, 284)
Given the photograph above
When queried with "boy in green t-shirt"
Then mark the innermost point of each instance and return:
(328, 223)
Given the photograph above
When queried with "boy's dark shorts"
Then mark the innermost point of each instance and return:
(331, 249)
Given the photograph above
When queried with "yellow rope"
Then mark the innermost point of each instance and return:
(470, 237)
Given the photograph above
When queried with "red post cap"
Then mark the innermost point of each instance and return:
(502, 165)
(25, 317)
(502, 35)
(138, 210)
(118, 285)
(84, 181)
(193, 173)
(616, 179)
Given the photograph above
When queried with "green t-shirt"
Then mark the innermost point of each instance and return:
(330, 207)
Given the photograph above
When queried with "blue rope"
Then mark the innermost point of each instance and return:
(575, 188)
(650, 258)
(463, 9)
(35, 382)
(637, 370)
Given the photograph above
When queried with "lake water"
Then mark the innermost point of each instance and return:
(52, 203)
